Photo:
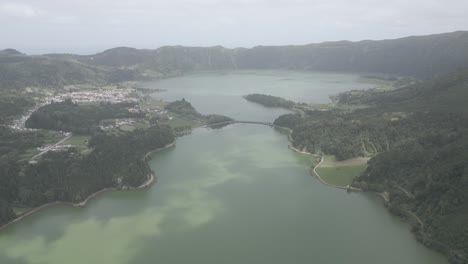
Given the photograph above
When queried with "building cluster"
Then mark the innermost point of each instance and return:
(110, 96)
(54, 148)
(20, 123)
(118, 123)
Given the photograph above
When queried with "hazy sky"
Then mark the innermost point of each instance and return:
(88, 26)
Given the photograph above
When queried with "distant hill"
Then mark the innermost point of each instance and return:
(10, 52)
(420, 56)
(446, 94)
(18, 71)
(117, 57)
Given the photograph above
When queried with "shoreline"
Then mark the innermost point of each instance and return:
(150, 180)
(384, 195)
(314, 170)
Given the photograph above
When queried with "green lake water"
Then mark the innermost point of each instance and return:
(231, 195)
(221, 92)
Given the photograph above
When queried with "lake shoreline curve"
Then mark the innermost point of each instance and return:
(150, 180)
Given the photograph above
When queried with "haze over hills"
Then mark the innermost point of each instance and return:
(405, 125)
(421, 56)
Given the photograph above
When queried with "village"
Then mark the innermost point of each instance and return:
(101, 95)
(86, 96)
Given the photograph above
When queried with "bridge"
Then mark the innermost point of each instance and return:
(245, 122)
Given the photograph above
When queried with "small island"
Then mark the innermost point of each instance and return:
(270, 101)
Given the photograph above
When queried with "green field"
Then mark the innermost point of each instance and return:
(179, 123)
(80, 142)
(341, 176)
(127, 128)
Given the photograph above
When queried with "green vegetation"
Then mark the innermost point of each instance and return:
(70, 176)
(179, 124)
(417, 138)
(411, 56)
(184, 116)
(82, 119)
(127, 128)
(184, 108)
(445, 94)
(214, 119)
(340, 175)
(270, 101)
(18, 71)
(80, 142)
(417, 135)
(13, 104)
(77, 141)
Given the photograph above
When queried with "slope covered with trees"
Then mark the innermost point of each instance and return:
(421, 56)
(82, 119)
(18, 71)
(270, 101)
(115, 161)
(417, 140)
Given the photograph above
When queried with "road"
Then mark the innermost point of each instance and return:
(50, 147)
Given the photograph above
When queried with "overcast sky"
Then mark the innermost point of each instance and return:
(88, 26)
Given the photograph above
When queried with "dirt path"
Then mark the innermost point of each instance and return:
(314, 170)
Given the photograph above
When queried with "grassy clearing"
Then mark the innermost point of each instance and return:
(342, 175)
(80, 142)
(127, 128)
(329, 158)
(77, 141)
(179, 123)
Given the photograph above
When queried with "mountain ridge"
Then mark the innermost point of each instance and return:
(419, 56)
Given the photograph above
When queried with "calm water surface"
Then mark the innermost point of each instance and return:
(221, 92)
(233, 195)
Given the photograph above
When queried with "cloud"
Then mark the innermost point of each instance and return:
(232, 23)
(19, 10)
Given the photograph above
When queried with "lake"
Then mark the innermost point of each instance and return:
(230, 195)
(221, 92)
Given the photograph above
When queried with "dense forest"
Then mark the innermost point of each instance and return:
(418, 150)
(70, 176)
(428, 177)
(270, 101)
(13, 104)
(81, 119)
(445, 94)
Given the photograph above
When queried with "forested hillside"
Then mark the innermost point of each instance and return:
(417, 138)
(421, 56)
(115, 161)
(18, 71)
(270, 101)
(82, 119)
(445, 94)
